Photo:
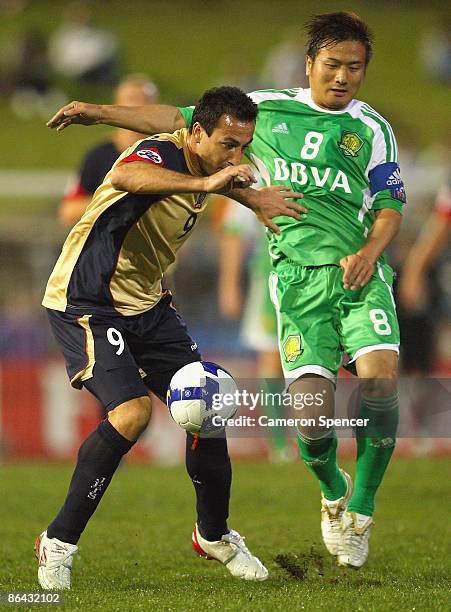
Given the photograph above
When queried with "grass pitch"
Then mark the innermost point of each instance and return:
(135, 553)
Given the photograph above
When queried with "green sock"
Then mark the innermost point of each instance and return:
(320, 456)
(274, 410)
(375, 446)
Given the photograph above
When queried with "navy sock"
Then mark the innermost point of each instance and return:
(98, 458)
(208, 465)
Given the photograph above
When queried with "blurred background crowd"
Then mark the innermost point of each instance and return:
(143, 52)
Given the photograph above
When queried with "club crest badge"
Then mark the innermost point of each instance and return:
(151, 155)
(350, 144)
(292, 348)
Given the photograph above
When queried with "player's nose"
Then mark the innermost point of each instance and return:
(235, 157)
(341, 77)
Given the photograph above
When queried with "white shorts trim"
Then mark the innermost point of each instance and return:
(390, 290)
(292, 375)
(273, 281)
(375, 347)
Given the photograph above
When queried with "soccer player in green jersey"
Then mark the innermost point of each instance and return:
(330, 284)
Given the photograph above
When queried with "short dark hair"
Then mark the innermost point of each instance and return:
(220, 101)
(330, 28)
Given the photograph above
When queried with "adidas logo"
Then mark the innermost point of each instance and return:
(282, 128)
(394, 178)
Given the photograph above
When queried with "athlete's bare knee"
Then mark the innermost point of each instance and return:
(378, 373)
(132, 417)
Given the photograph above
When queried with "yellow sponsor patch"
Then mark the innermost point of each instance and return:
(292, 348)
(350, 143)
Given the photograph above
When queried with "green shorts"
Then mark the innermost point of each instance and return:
(318, 319)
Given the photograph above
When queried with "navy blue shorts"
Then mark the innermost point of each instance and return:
(119, 358)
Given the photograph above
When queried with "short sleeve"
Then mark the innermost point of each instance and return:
(384, 175)
(163, 153)
(387, 187)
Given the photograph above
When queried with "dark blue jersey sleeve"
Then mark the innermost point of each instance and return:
(163, 153)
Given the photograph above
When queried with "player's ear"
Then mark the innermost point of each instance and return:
(308, 65)
(197, 130)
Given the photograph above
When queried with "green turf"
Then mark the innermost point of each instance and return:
(135, 554)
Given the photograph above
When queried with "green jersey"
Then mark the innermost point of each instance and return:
(344, 162)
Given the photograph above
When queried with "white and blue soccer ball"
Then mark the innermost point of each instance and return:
(200, 398)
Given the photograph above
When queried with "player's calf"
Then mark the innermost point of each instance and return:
(97, 461)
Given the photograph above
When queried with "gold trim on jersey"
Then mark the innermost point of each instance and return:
(90, 353)
(150, 245)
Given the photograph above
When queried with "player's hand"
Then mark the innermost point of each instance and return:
(82, 113)
(275, 201)
(232, 177)
(357, 271)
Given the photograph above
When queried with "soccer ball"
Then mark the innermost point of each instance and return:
(198, 398)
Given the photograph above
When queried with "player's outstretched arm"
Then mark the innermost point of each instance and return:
(142, 177)
(271, 202)
(358, 268)
(149, 119)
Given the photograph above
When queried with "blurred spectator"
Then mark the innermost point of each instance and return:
(243, 238)
(435, 53)
(135, 90)
(433, 240)
(81, 51)
(422, 169)
(415, 294)
(26, 75)
(31, 68)
(285, 64)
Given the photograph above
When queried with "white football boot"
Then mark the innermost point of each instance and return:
(356, 530)
(331, 513)
(232, 552)
(55, 562)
